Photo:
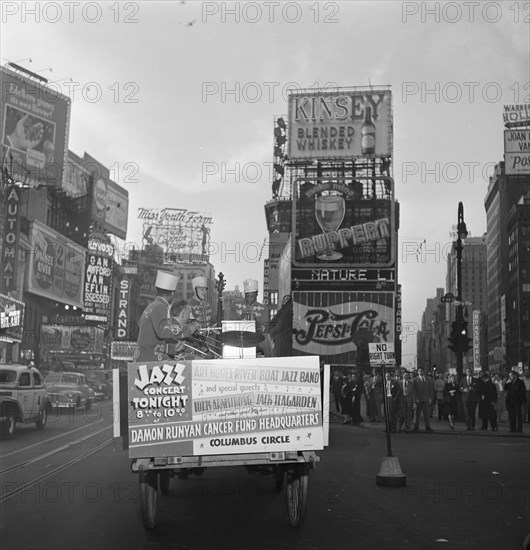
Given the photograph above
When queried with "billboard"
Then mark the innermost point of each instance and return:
(56, 266)
(183, 235)
(339, 124)
(340, 325)
(517, 151)
(34, 125)
(346, 222)
(98, 281)
(75, 177)
(477, 365)
(518, 114)
(66, 338)
(10, 244)
(11, 319)
(110, 202)
(221, 406)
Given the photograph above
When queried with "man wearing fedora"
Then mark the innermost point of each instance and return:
(156, 326)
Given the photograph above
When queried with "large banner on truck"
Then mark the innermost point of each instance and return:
(224, 406)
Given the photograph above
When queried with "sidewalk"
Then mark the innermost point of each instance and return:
(440, 428)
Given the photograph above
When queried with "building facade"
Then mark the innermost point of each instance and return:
(504, 191)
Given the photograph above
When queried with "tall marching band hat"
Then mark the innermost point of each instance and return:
(199, 281)
(250, 285)
(166, 281)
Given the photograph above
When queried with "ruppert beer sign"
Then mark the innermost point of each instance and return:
(348, 222)
(340, 124)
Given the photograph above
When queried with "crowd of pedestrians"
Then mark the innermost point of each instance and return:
(417, 395)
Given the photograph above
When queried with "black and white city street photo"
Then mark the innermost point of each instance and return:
(265, 275)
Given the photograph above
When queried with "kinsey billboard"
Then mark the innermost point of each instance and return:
(347, 222)
(34, 122)
(341, 324)
(340, 125)
(221, 406)
(56, 266)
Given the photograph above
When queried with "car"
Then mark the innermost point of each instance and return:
(23, 398)
(69, 390)
(101, 382)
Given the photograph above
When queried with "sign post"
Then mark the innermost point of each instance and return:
(390, 474)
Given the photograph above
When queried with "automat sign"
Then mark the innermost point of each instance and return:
(382, 354)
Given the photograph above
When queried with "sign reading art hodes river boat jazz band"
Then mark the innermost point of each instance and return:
(192, 408)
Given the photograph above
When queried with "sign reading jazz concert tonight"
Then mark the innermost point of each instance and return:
(222, 406)
(382, 353)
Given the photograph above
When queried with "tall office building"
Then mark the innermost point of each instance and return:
(504, 191)
(518, 302)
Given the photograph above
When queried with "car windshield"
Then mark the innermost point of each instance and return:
(8, 376)
(70, 379)
(52, 378)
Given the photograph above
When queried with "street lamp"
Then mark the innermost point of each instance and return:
(459, 339)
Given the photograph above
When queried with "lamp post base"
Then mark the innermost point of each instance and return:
(390, 474)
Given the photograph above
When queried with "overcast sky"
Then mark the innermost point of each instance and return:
(160, 70)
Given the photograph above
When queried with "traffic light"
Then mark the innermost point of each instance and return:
(464, 340)
(453, 339)
(459, 341)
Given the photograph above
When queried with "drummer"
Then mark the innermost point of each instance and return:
(156, 326)
(201, 310)
(252, 310)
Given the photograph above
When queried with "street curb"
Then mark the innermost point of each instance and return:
(474, 433)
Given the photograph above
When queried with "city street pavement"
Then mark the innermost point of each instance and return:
(464, 489)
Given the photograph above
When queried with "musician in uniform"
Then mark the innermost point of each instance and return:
(201, 310)
(156, 326)
(252, 310)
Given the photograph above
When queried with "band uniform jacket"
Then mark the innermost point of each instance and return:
(423, 391)
(202, 311)
(157, 327)
(256, 312)
(470, 391)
